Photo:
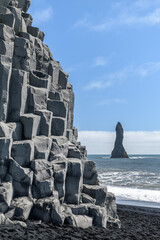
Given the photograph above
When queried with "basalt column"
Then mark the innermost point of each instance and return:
(44, 171)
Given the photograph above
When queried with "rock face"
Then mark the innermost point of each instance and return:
(44, 172)
(119, 151)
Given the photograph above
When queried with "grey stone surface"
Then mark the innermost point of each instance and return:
(6, 195)
(22, 208)
(5, 148)
(22, 179)
(4, 3)
(44, 171)
(40, 164)
(58, 126)
(37, 99)
(88, 199)
(90, 175)
(45, 122)
(42, 189)
(59, 108)
(59, 182)
(5, 70)
(23, 152)
(42, 147)
(97, 192)
(7, 19)
(39, 79)
(4, 130)
(16, 130)
(17, 95)
(4, 164)
(119, 151)
(73, 181)
(30, 124)
(42, 209)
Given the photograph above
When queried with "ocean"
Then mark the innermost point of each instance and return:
(134, 181)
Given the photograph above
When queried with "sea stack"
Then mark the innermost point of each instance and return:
(44, 171)
(119, 151)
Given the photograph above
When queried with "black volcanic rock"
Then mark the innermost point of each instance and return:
(44, 171)
(119, 151)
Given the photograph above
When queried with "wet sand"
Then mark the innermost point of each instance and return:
(137, 223)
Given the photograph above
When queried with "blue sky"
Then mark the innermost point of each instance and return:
(111, 50)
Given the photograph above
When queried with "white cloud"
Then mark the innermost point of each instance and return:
(98, 85)
(44, 15)
(110, 101)
(99, 61)
(135, 142)
(124, 13)
(143, 71)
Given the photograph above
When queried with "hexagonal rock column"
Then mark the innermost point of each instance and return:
(5, 70)
(17, 95)
(31, 125)
(23, 152)
(5, 148)
(73, 181)
(45, 122)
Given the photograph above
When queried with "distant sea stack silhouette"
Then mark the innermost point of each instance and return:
(119, 151)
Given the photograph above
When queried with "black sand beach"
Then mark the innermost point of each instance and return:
(135, 225)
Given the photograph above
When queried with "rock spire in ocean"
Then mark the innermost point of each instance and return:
(119, 151)
(44, 171)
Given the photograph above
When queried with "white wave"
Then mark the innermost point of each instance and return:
(141, 179)
(136, 194)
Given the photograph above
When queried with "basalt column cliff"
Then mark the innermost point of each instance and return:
(44, 172)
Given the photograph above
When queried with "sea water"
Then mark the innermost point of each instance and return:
(134, 181)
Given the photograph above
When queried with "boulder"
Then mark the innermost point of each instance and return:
(99, 215)
(42, 209)
(57, 216)
(98, 193)
(22, 208)
(80, 221)
(6, 195)
(90, 175)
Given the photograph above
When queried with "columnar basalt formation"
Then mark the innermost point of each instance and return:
(44, 172)
(119, 151)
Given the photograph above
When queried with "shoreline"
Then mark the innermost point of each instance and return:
(154, 211)
(135, 225)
